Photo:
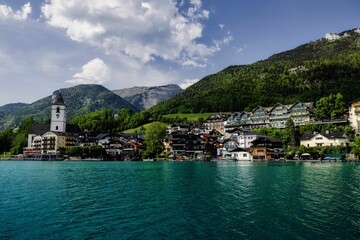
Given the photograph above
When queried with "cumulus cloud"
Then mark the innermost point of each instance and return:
(142, 29)
(94, 72)
(6, 12)
(188, 82)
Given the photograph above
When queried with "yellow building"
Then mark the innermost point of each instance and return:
(354, 115)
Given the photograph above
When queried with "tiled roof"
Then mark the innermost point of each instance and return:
(72, 128)
(306, 137)
(330, 135)
(39, 129)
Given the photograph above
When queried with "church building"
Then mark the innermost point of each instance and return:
(56, 137)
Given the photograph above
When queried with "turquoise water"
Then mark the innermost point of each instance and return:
(179, 200)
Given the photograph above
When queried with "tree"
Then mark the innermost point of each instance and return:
(154, 139)
(291, 136)
(355, 147)
(339, 106)
(6, 138)
(20, 140)
(330, 107)
(96, 151)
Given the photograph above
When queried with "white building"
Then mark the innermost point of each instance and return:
(244, 138)
(240, 154)
(55, 137)
(324, 139)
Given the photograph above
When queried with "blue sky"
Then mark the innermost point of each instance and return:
(47, 45)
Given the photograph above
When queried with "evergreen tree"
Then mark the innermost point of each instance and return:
(291, 134)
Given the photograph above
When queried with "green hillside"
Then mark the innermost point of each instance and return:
(306, 73)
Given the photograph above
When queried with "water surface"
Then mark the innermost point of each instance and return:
(179, 200)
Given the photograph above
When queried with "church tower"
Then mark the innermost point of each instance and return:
(58, 113)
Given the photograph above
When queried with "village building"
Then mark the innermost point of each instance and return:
(276, 116)
(354, 115)
(260, 117)
(241, 154)
(178, 127)
(266, 148)
(302, 113)
(238, 120)
(244, 138)
(215, 121)
(324, 139)
(185, 144)
(53, 138)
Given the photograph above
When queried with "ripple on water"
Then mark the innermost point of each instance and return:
(196, 200)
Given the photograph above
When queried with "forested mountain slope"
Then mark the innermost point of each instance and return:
(305, 73)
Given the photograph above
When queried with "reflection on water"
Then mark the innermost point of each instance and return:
(177, 200)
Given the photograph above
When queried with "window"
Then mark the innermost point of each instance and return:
(245, 155)
(58, 110)
(57, 128)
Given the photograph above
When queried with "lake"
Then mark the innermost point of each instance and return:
(179, 200)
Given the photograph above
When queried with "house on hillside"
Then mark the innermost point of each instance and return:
(260, 117)
(278, 115)
(324, 139)
(238, 120)
(302, 113)
(178, 127)
(215, 121)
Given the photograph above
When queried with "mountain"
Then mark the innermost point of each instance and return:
(79, 100)
(147, 97)
(8, 108)
(306, 73)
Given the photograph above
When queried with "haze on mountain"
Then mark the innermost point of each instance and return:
(146, 97)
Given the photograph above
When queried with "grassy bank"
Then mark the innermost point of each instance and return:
(142, 128)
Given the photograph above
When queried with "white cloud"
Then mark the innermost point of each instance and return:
(188, 82)
(142, 29)
(6, 12)
(94, 72)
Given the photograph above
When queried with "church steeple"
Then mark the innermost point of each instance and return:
(58, 113)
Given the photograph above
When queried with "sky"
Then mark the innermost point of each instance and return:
(46, 45)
